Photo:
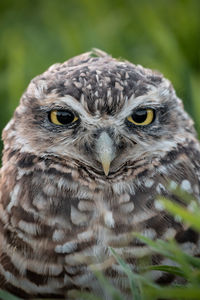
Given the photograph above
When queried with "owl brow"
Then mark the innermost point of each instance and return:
(138, 102)
(148, 105)
(56, 106)
(131, 108)
(66, 102)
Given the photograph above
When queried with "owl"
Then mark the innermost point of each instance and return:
(91, 145)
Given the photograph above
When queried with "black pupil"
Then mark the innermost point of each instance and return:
(139, 116)
(65, 116)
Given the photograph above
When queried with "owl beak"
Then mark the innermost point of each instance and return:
(105, 151)
(105, 160)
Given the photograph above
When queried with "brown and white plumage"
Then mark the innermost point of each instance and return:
(69, 191)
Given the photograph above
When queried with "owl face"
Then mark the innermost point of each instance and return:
(99, 114)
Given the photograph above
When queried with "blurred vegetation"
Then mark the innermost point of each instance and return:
(160, 34)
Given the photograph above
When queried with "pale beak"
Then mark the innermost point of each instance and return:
(105, 151)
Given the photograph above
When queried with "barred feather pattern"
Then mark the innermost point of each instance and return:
(59, 212)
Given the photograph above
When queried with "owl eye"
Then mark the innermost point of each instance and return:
(62, 117)
(142, 117)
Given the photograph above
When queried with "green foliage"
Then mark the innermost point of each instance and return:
(7, 296)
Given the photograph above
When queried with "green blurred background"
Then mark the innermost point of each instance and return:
(160, 34)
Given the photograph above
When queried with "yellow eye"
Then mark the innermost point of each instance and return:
(62, 117)
(142, 117)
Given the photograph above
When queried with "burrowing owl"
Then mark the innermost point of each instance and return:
(92, 143)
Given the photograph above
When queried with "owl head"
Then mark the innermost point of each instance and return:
(99, 114)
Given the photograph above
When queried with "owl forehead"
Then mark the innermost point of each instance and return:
(101, 84)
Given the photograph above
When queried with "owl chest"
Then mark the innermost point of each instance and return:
(96, 207)
(73, 225)
(86, 221)
(91, 221)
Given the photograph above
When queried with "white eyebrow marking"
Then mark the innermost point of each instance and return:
(74, 104)
(151, 98)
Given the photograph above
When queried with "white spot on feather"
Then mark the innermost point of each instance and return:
(58, 235)
(29, 227)
(84, 205)
(38, 90)
(13, 197)
(149, 233)
(108, 93)
(108, 219)
(68, 247)
(127, 207)
(186, 186)
(158, 205)
(143, 216)
(122, 187)
(124, 198)
(173, 185)
(3, 214)
(86, 235)
(8, 126)
(148, 183)
(118, 86)
(169, 234)
(77, 217)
